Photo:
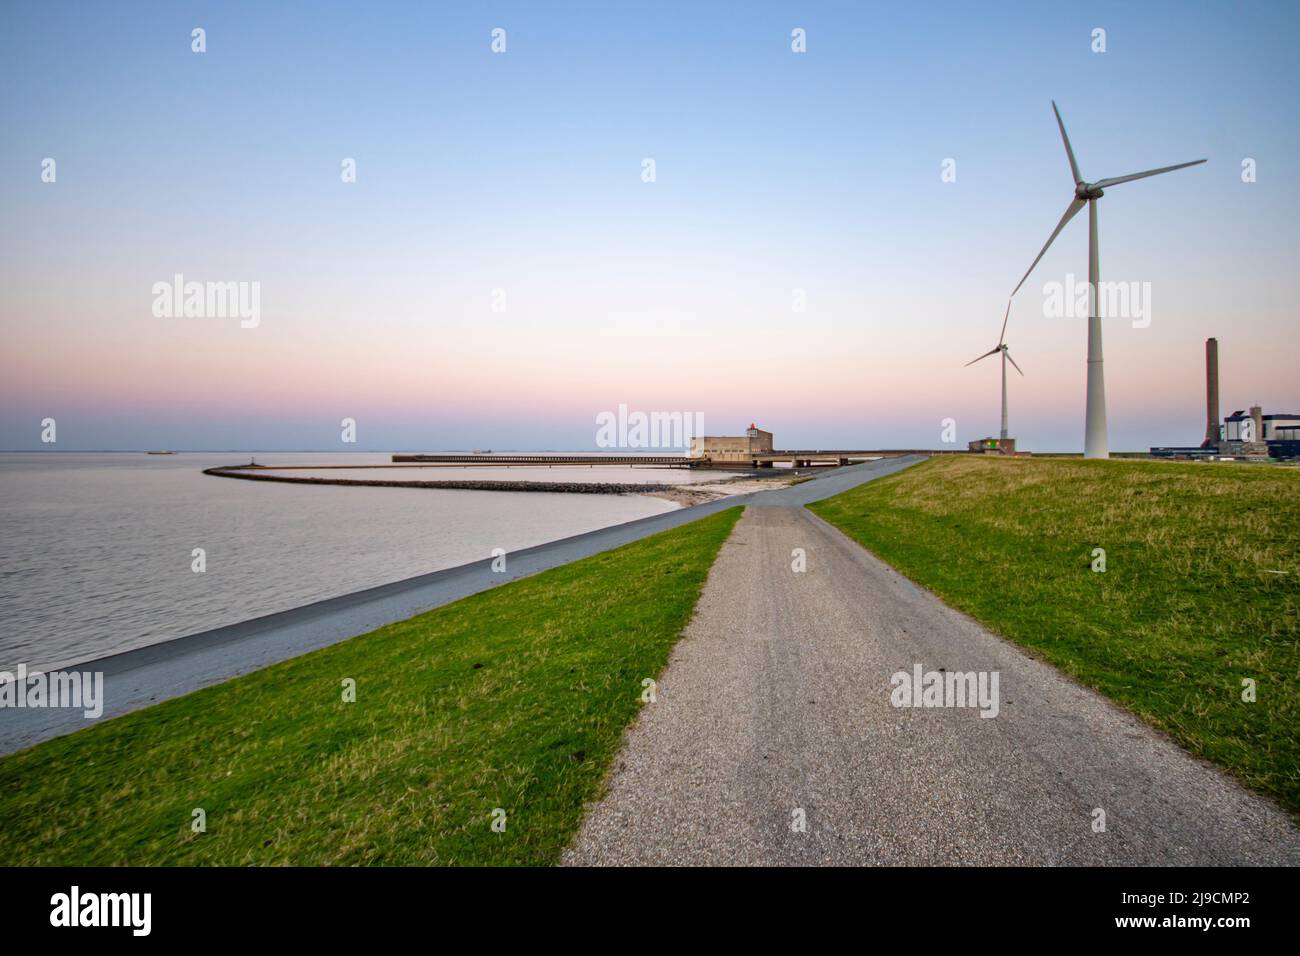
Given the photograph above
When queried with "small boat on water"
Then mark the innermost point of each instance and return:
(160, 453)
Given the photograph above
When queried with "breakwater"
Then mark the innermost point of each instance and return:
(256, 473)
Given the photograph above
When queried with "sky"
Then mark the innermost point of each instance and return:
(500, 272)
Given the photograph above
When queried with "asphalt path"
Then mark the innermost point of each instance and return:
(139, 678)
(773, 738)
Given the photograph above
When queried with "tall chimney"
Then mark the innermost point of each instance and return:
(1211, 393)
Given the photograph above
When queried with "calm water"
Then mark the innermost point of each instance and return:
(95, 549)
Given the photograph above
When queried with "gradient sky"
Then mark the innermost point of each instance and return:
(522, 171)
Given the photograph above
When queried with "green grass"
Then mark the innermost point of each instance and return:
(514, 698)
(1188, 606)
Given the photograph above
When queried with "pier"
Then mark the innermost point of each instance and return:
(797, 458)
(671, 461)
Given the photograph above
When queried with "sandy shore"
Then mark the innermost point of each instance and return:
(698, 494)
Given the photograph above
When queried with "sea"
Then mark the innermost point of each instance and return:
(99, 552)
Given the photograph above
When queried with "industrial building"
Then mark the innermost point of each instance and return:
(993, 446)
(733, 448)
(1265, 428)
(1245, 434)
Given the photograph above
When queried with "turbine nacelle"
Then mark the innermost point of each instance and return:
(1086, 191)
(1005, 350)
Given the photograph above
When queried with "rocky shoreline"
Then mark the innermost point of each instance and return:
(684, 495)
(566, 487)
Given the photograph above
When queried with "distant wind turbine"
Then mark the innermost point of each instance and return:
(1095, 443)
(1006, 357)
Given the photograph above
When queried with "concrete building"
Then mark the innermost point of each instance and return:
(732, 448)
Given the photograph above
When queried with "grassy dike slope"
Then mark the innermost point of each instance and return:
(514, 698)
(1189, 605)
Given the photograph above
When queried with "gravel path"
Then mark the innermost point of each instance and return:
(777, 699)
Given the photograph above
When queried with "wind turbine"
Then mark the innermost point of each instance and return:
(1006, 357)
(1095, 442)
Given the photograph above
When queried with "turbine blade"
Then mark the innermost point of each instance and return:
(1074, 167)
(1013, 361)
(1150, 172)
(1003, 334)
(982, 357)
(1070, 212)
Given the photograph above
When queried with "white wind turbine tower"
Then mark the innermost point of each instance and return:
(1095, 443)
(1006, 357)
